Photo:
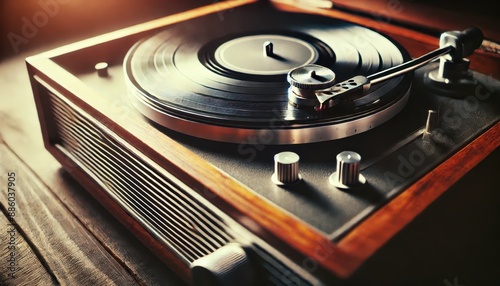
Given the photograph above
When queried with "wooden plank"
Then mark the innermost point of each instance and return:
(19, 263)
(70, 252)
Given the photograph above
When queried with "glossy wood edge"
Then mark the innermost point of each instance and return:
(218, 7)
(380, 25)
(253, 212)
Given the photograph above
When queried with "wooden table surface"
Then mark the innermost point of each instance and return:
(63, 236)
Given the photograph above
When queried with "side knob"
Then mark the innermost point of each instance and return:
(347, 175)
(286, 168)
(227, 266)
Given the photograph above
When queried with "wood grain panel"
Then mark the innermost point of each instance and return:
(434, 16)
(70, 252)
(25, 268)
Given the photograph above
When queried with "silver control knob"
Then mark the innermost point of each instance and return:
(347, 175)
(228, 265)
(286, 168)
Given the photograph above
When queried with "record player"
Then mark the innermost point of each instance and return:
(267, 150)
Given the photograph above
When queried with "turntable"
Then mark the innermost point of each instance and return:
(266, 150)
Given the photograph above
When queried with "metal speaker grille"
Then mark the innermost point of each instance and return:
(164, 208)
(153, 197)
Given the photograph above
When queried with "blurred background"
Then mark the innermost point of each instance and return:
(26, 24)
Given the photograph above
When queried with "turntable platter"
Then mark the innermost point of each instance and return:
(227, 80)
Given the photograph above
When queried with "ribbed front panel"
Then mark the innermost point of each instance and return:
(164, 208)
(170, 212)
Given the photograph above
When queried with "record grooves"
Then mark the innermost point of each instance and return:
(232, 90)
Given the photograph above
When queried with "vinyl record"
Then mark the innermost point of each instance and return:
(225, 79)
